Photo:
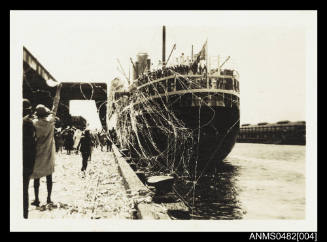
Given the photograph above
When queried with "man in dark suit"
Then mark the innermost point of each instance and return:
(28, 151)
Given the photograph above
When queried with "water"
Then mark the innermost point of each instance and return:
(256, 181)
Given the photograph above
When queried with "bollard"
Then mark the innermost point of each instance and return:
(163, 184)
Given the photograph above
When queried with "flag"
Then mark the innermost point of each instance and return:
(201, 55)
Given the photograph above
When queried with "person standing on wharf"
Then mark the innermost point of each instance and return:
(45, 146)
(28, 151)
(85, 146)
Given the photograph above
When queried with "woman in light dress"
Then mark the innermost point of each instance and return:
(45, 146)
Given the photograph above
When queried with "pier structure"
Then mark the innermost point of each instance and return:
(39, 86)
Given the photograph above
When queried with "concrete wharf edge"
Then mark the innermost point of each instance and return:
(134, 184)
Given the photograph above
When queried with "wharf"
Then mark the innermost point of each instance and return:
(98, 193)
(109, 189)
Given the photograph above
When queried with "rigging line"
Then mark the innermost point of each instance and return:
(99, 109)
(123, 72)
(181, 197)
(154, 103)
(80, 87)
(158, 154)
(174, 47)
(92, 88)
(210, 159)
(197, 158)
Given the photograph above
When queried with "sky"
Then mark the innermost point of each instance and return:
(267, 48)
(86, 110)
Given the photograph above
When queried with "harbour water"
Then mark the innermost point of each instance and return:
(257, 181)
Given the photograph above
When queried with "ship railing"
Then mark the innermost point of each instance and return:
(192, 76)
(183, 92)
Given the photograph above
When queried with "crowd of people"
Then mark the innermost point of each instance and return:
(69, 138)
(182, 69)
(42, 140)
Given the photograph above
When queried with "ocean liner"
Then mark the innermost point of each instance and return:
(177, 118)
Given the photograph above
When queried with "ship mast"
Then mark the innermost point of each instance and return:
(174, 47)
(164, 46)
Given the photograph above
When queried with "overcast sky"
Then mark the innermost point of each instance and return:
(268, 49)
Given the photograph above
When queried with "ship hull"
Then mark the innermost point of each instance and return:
(211, 135)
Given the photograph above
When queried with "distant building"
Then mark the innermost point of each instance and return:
(282, 132)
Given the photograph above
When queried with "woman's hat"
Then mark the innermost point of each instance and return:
(42, 111)
(26, 104)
